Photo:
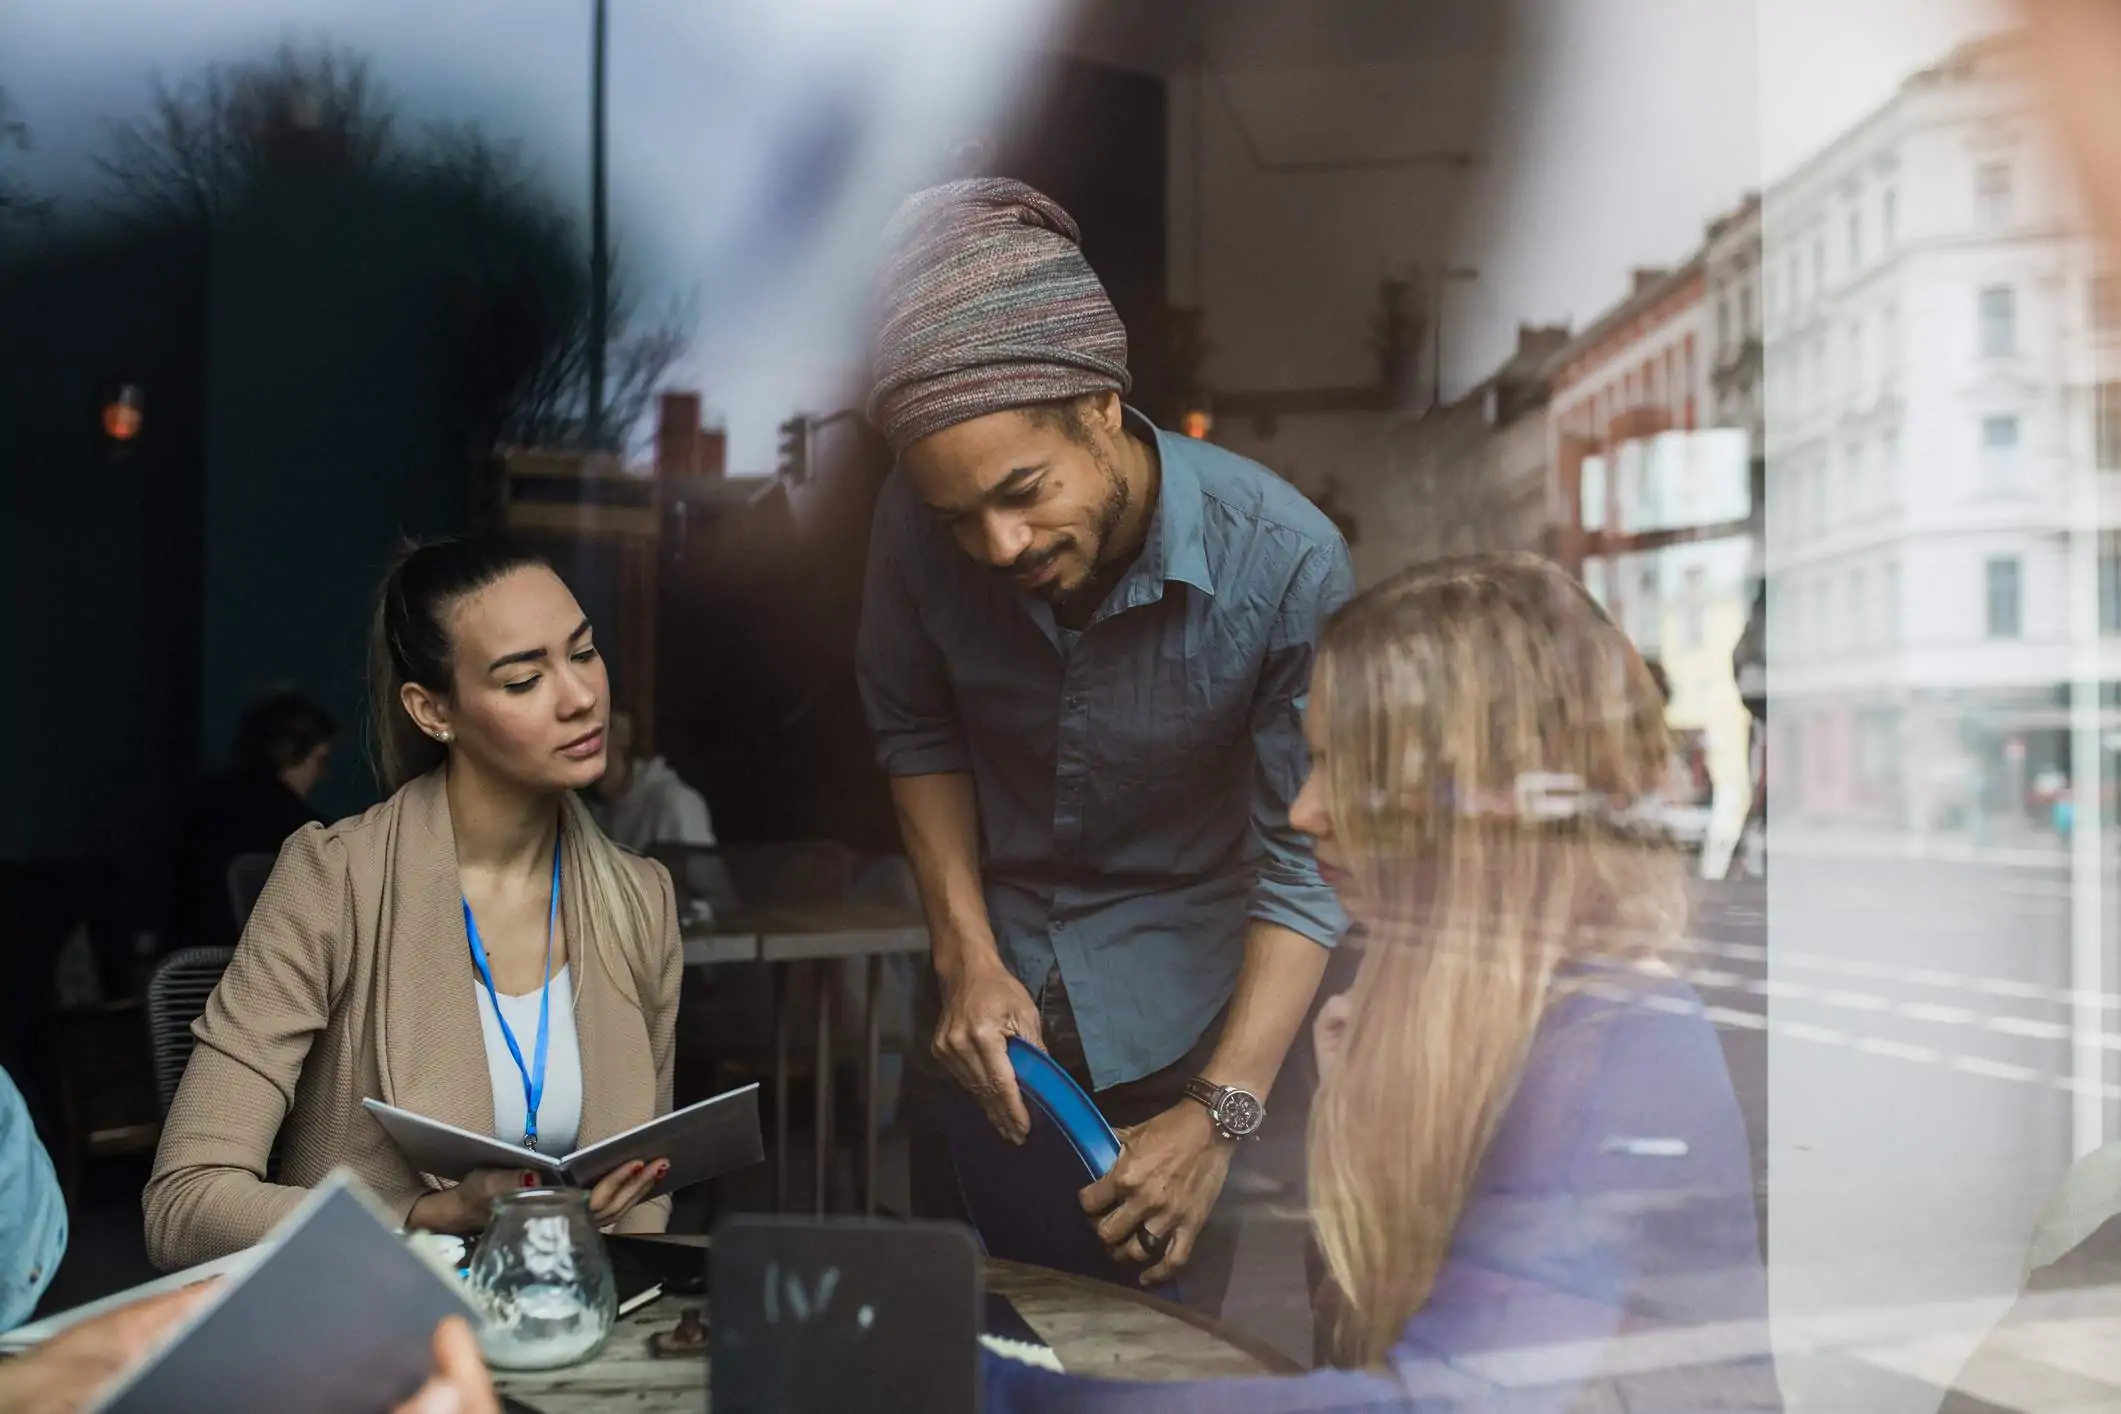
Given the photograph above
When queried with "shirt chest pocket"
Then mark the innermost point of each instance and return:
(1184, 695)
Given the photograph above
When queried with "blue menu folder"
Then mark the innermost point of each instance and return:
(1023, 1199)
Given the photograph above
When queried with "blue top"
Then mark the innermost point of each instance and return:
(32, 1212)
(1610, 1248)
(1134, 780)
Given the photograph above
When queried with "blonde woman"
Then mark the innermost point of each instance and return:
(473, 949)
(1525, 1155)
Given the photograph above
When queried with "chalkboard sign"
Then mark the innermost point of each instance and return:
(812, 1316)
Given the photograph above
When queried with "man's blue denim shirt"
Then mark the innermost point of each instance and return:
(1134, 780)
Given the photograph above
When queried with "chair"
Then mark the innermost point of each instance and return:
(247, 874)
(106, 1089)
(176, 996)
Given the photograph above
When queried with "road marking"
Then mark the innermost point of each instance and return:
(1999, 1070)
(1805, 1031)
(1942, 1015)
(2023, 1026)
(1898, 1050)
(1741, 1020)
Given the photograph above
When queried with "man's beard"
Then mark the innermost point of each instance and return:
(1111, 514)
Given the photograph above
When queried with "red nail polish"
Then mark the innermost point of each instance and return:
(530, 1180)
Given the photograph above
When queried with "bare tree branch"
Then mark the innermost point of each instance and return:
(19, 209)
(204, 144)
(517, 303)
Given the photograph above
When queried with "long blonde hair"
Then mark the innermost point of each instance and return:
(1445, 691)
(409, 642)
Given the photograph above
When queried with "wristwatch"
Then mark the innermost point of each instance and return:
(1238, 1114)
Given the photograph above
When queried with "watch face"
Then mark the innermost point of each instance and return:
(1241, 1112)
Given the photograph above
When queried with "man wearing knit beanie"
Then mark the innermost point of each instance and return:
(1084, 651)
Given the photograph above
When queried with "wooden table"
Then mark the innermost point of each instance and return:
(1094, 1328)
(827, 936)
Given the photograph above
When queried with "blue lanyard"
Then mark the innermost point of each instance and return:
(533, 1084)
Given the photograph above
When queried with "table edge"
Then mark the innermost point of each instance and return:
(1276, 1362)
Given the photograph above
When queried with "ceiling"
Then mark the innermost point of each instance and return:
(1166, 36)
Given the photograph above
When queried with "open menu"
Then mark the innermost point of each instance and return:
(334, 1314)
(701, 1141)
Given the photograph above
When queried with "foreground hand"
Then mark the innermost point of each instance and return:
(1169, 1174)
(981, 1010)
(67, 1372)
(616, 1192)
(460, 1384)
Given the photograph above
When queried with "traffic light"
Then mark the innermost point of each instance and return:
(795, 449)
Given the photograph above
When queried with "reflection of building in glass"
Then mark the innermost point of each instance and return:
(1470, 475)
(1931, 356)
(1736, 384)
(1655, 510)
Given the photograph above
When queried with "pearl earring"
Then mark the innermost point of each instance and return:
(445, 736)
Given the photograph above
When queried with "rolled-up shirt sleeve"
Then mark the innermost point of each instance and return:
(906, 693)
(1286, 889)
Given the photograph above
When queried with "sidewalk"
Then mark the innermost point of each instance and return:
(2011, 849)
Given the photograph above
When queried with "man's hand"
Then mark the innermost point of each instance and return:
(1169, 1174)
(67, 1372)
(982, 1008)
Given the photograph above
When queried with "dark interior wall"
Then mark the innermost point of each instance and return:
(1095, 143)
(98, 554)
(757, 697)
(326, 445)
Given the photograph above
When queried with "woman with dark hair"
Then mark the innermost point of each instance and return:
(281, 749)
(472, 949)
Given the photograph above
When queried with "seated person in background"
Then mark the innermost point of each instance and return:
(281, 749)
(69, 1372)
(32, 1212)
(413, 952)
(641, 802)
(1525, 1142)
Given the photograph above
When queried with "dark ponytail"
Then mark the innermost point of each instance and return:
(409, 642)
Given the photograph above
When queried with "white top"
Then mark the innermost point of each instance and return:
(560, 1111)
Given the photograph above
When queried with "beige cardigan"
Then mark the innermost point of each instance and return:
(353, 979)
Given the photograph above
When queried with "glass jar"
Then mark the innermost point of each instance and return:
(542, 1281)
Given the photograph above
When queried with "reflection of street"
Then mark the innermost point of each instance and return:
(1900, 1054)
(1917, 1035)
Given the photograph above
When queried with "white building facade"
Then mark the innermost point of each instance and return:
(1932, 379)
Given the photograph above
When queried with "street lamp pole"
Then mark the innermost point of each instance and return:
(599, 251)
